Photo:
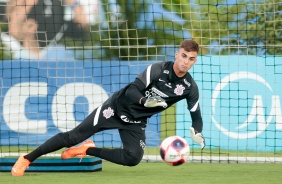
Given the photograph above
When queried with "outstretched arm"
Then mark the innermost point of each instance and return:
(195, 112)
(197, 127)
(197, 121)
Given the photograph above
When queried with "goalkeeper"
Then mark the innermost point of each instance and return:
(154, 90)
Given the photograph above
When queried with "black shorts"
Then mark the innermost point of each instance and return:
(104, 118)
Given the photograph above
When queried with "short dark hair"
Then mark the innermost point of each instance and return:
(189, 45)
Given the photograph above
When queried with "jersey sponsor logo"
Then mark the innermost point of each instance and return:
(155, 92)
(158, 92)
(142, 145)
(125, 119)
(187, 83)
(166, 71)
(179, 89)
(107, 113)
(168, 85)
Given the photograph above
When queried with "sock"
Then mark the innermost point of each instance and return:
(33, 155)
(94, 151)
(51, 145)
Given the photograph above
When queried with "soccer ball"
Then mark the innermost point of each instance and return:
(174, 150)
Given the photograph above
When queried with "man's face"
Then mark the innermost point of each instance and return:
(184, 61)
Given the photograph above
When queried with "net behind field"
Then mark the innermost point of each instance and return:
(88, 57)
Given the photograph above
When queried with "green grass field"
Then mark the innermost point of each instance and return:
(159, 173)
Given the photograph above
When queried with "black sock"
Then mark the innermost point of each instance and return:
(94, 151)
(33, 155)
(51, 145)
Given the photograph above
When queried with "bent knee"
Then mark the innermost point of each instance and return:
(133, 158)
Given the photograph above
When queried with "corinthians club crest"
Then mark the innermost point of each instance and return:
(179, 89)
(107, 113)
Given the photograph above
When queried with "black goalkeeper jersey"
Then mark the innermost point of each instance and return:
(49, 16)
(158, 79)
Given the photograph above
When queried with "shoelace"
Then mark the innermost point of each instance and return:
(80, 156)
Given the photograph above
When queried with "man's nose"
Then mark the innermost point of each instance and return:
(186, 61)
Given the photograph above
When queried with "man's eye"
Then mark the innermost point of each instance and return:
(192, 59)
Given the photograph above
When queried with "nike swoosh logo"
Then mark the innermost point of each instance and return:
(161, 80)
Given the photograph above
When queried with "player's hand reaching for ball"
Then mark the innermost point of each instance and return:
(197, 137)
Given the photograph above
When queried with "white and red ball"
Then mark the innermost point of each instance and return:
(174, 150)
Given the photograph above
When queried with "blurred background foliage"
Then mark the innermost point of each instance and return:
(142, 30)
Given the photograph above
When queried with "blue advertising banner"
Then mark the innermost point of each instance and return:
(240, 99)
(40, 99)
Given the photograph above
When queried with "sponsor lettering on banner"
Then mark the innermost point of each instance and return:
(40, 99)
(240, 101)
